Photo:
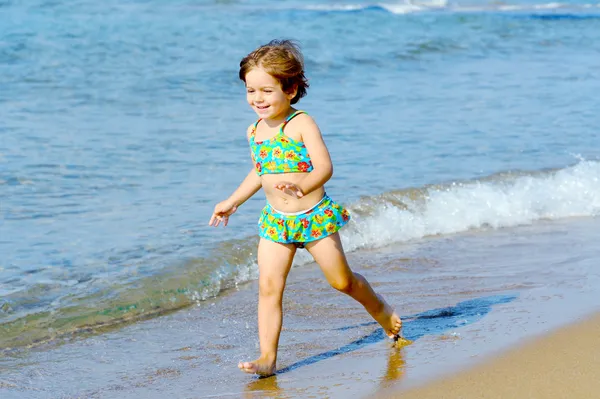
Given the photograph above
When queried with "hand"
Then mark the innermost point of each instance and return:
(222, 212)
(290, 189)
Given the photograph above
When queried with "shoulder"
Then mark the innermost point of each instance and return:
(304, 124)
(250, 130)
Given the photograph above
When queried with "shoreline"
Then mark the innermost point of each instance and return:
(560, 364)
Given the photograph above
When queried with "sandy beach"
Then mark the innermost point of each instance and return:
(562, 364)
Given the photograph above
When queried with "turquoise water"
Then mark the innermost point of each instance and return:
(122, 124)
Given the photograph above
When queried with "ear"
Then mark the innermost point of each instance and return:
(292, 92)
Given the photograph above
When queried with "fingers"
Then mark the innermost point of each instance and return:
(216, 220)
(283, 185)
(290, 188)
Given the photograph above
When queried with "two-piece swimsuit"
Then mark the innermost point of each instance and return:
(282, 154)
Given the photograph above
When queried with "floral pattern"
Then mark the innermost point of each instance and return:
(321, 221)
(280, 154)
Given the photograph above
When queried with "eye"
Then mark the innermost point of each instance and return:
(250, 90)
(268, 91)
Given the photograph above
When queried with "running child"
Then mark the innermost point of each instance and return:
(292, 165)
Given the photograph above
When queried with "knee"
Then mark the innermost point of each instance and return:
(343, 285)
(270, 287)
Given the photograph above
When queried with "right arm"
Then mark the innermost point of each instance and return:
(251, 184)
(246, 189)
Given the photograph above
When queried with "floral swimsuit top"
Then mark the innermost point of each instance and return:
(279, 154)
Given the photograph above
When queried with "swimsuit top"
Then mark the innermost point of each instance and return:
(280, 153)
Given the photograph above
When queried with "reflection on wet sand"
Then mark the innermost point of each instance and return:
(269, 388)
(396, 363)
(263, 388)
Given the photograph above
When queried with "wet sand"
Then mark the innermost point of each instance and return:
(562, 364)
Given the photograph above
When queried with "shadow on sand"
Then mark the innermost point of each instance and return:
(431, 322)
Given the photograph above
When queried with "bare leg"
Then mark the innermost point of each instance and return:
(329, 254)
(274, 262)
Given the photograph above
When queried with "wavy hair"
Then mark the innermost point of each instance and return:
(281, 59)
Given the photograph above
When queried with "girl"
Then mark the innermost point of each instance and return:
(291, 165)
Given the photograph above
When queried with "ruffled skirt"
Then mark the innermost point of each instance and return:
(324, 219)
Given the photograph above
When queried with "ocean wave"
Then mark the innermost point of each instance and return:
(503, 200)
(34, 316)
(410, 7)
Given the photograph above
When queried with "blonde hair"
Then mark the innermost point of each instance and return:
(281, 59)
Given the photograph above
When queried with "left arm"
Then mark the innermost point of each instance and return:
(319, 156)
(320, 159)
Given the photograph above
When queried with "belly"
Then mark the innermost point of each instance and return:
(284, 202)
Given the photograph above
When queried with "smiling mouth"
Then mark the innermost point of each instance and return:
(262, 106)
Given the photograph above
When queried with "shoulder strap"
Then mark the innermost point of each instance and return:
(253, 132)
(292, 116)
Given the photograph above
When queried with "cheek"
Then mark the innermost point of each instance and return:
(278, 97)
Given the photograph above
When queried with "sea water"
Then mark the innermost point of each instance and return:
(122, 123)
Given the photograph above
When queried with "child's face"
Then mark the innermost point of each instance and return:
(265, 96)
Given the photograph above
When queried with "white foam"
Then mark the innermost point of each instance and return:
(549, 6)
(335, 7)
(569, 192)
(403, 8)
(407, 7)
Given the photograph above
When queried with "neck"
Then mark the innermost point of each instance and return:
(279, 118)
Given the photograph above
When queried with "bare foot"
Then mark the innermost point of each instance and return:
(388, 319)
(261, 366)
